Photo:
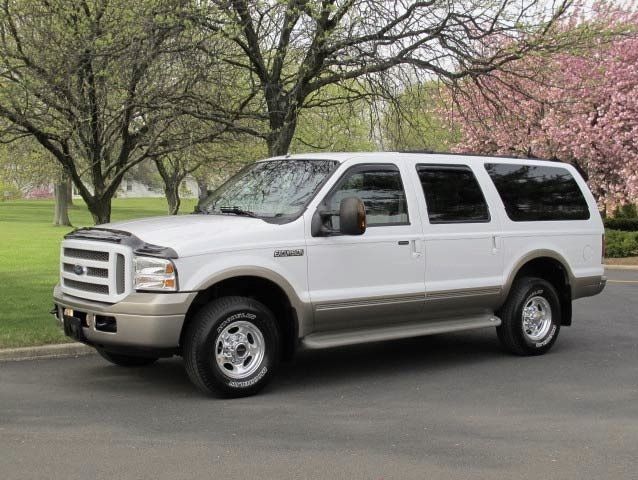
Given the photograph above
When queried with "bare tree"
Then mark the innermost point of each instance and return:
(93, 81)
(174, 168)
(212, 160)
(61, 211)
(285, 52)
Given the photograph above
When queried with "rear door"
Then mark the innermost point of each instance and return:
(463, 271)
(375, 278)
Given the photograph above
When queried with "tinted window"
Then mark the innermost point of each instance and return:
(381, 191)
(452, 194)
(535, 193)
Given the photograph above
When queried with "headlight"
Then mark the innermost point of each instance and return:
(155, 274)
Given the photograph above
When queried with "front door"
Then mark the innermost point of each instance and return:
(377, 277)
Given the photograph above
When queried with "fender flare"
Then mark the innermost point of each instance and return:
(303, 309)
(566, 305)
(533, 255)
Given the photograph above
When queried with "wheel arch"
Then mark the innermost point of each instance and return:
(265, 286)
(548, 265)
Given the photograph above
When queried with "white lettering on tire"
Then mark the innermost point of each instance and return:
(536, 293)
(232, 318)
(248, 383)
(548, 339)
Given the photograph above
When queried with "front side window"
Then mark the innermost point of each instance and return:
(538, 193)
(275, 189)
(452, 194)
(380, 189)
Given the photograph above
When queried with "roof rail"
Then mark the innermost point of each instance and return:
(474, 154)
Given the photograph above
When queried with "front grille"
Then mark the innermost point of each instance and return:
(87, 287)
(86, 254)
(95, 270)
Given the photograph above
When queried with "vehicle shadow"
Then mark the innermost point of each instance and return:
(392, 359)
(320, 368)
(165, 378)
(323, 368)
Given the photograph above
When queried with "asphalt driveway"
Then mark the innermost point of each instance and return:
(436, 407)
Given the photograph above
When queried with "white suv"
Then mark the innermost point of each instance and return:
(325, 250)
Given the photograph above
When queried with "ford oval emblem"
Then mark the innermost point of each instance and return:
(79, 269)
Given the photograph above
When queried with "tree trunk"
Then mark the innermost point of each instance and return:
(279, 141)
(69, 191)
(171, 190)
(61, 214)
(170, 173)
(203, 188)
(100, 209)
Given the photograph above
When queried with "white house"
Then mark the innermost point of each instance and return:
(135, 189)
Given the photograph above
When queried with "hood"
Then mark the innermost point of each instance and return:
(197, 234)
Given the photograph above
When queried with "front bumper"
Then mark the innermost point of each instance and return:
(143, 320)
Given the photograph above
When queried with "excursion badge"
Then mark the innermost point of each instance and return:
(295, 252)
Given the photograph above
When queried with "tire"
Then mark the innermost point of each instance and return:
(532, 331)
(231, 348)
(126, 360)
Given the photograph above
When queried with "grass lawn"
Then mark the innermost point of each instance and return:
(29, 263)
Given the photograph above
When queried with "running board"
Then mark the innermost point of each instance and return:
(366, 335)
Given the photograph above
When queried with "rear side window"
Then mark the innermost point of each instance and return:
(452, 194)
(538, 193)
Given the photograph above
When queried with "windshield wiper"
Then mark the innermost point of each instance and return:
(237, 211)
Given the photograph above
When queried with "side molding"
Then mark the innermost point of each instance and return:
(393, 332)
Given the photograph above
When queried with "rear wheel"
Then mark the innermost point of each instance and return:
(231, 348)
(531, 317)
(125, 360)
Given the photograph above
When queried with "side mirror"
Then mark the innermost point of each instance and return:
(352, 216)
(352, 219)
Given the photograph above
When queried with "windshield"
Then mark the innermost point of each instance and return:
(272, 189)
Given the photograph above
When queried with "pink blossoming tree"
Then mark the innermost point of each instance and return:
(579, 107)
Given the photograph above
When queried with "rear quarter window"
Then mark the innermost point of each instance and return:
(538, 193)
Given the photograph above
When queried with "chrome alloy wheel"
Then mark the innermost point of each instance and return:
(239, 349)
(537, 318)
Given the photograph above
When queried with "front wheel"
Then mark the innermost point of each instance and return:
(231, 347)
(531, 317)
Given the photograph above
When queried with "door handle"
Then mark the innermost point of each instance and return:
(417, 250)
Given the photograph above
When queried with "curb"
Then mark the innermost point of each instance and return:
(621, 267)
(46, 351)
